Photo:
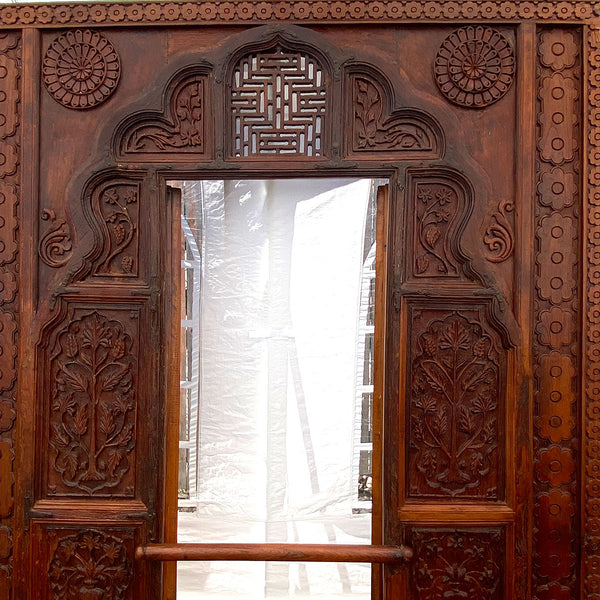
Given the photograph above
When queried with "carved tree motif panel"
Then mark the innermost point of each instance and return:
(456, 405)
(278, 104)
(457, 563)
(93, 405)
(10, 174)
(556, 307)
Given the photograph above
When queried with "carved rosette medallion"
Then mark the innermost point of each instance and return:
(81, 69)
(455, 409)
(92, 415)
(89, 565)
(474, 66)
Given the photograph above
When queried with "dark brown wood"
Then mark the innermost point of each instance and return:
(277, 552)
(487, 256)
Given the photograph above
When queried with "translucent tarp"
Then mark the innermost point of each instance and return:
(273, 369)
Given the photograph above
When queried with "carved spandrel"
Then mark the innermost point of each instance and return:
(404, 134)
(55, 244)
(456, 406)
(458, 563)
(181, 129)
(93, 406)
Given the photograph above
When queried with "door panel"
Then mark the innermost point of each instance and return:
(488, 408)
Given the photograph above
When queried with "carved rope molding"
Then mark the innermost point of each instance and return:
(10, 141)
(591, 431)
(242, 11)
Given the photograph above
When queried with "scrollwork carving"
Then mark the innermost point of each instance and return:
(498, 236)
(93, 408)
(81, 69)
(474, 66)
(55, 245)
(90, 565)
(455, 409)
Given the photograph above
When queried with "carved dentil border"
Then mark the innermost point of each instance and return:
(242, 11)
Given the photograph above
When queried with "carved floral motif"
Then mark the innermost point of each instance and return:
(498, 236)
(556, 355)
(240, 11)
(405, 131)
(118, 206)
(457, 564)
(92, 417)
(474, 66)
(81, 69)
(89, 565)
(436, 208)
(183, 129)
(55, 245)
(454, 410)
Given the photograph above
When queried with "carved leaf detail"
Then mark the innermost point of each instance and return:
(89, 565)
(55, 244)
(402, 131)
(93, 404)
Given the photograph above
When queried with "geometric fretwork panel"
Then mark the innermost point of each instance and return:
(278, 101)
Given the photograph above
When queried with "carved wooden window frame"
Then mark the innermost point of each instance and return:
(20, 209)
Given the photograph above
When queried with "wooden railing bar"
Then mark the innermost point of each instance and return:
(276, 552)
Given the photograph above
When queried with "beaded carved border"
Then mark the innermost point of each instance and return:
(590, 547)
(10, 142)
(242, 11)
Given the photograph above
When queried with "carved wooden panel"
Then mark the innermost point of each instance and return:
(10, 174)
(403, 133)
(455, 419)
(92, 404)
(557, 308)
(278, 104)
(116, 209)
(181, 130)
(439, 206)
(85, 561)
(458, 563)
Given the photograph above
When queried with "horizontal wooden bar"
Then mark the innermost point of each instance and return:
(276, 552)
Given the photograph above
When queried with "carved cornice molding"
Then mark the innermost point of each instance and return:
(243, 11)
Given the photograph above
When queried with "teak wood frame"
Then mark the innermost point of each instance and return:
(49, 294)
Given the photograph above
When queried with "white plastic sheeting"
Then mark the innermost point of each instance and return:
(275, 322)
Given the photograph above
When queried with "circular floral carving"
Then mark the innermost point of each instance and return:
(81, 69)
(474, 66)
